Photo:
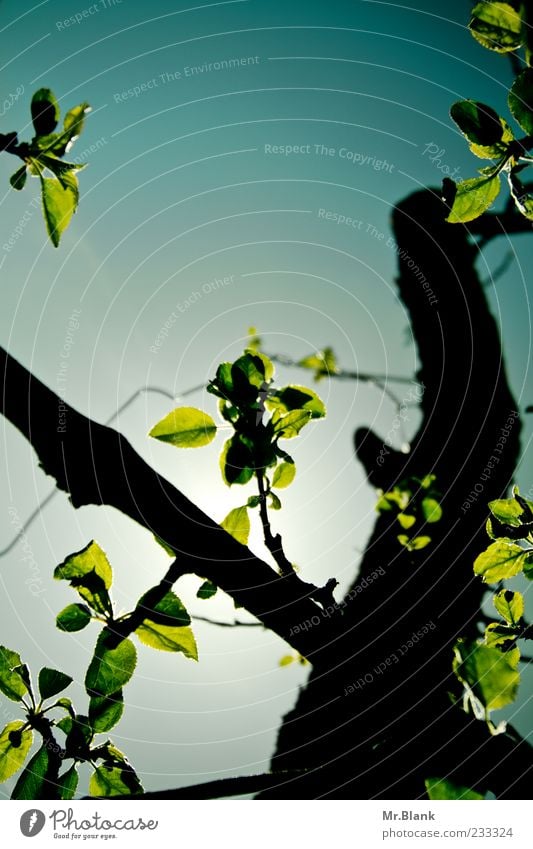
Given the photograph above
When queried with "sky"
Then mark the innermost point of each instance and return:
(243, 161)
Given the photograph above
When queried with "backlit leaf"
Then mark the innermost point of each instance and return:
(74, 617)
(52, 682)
(283, 475)
(12, 683)
(510, 605)
(470, 198)
(237, 524)
(114, 781)
(44, 112)
(106, 711)
(500, 561)
(520, 100)
(68, 783)
(59, 205)
(443, 788)
(32, 779)
(488, 672)
(168, 638)
(496, 26)
(111, 667)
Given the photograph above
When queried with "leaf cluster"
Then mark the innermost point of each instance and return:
(488, 667)
(415, 504)
(261, 417)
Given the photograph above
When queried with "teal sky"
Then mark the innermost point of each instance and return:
(221, 136)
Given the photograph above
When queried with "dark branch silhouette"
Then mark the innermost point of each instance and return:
(380, 720)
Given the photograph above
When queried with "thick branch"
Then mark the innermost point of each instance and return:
(96, 465)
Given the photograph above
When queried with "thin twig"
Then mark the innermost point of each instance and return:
(234, 624)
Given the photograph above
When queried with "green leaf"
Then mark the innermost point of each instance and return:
(14, 746)
(479, 123)
(253, 501)
(105, 711)
(57, 166)
(44, 112)
(510, 605)
(18, 179)
(396, 498)
(266, 367)
(222, 385)
(114, 781)
(207, 590)
(498, 634)
(74, 617)
(69, 181)
(65, 724)
(237, 461)
(32, 779)
(494, 151)
(79, 737)
(497, 26)
(90, 573)
(52, 682)
(488, 672)
(284, 475)
(237, 524)
(470, 198)
(406, 520)
(431, 510)
(298, 398)
(442, 788)
(252, 370)
(112, 756)
(520, 100)
(289, 426)
(168, 638)
(185, 427)
(415, 544)
(68, 783)
(275, 503)
(72, 127)
(59, 205)
(500, 561)
(170, 610)
(66, 704)
(12, 683)
(111, 667)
